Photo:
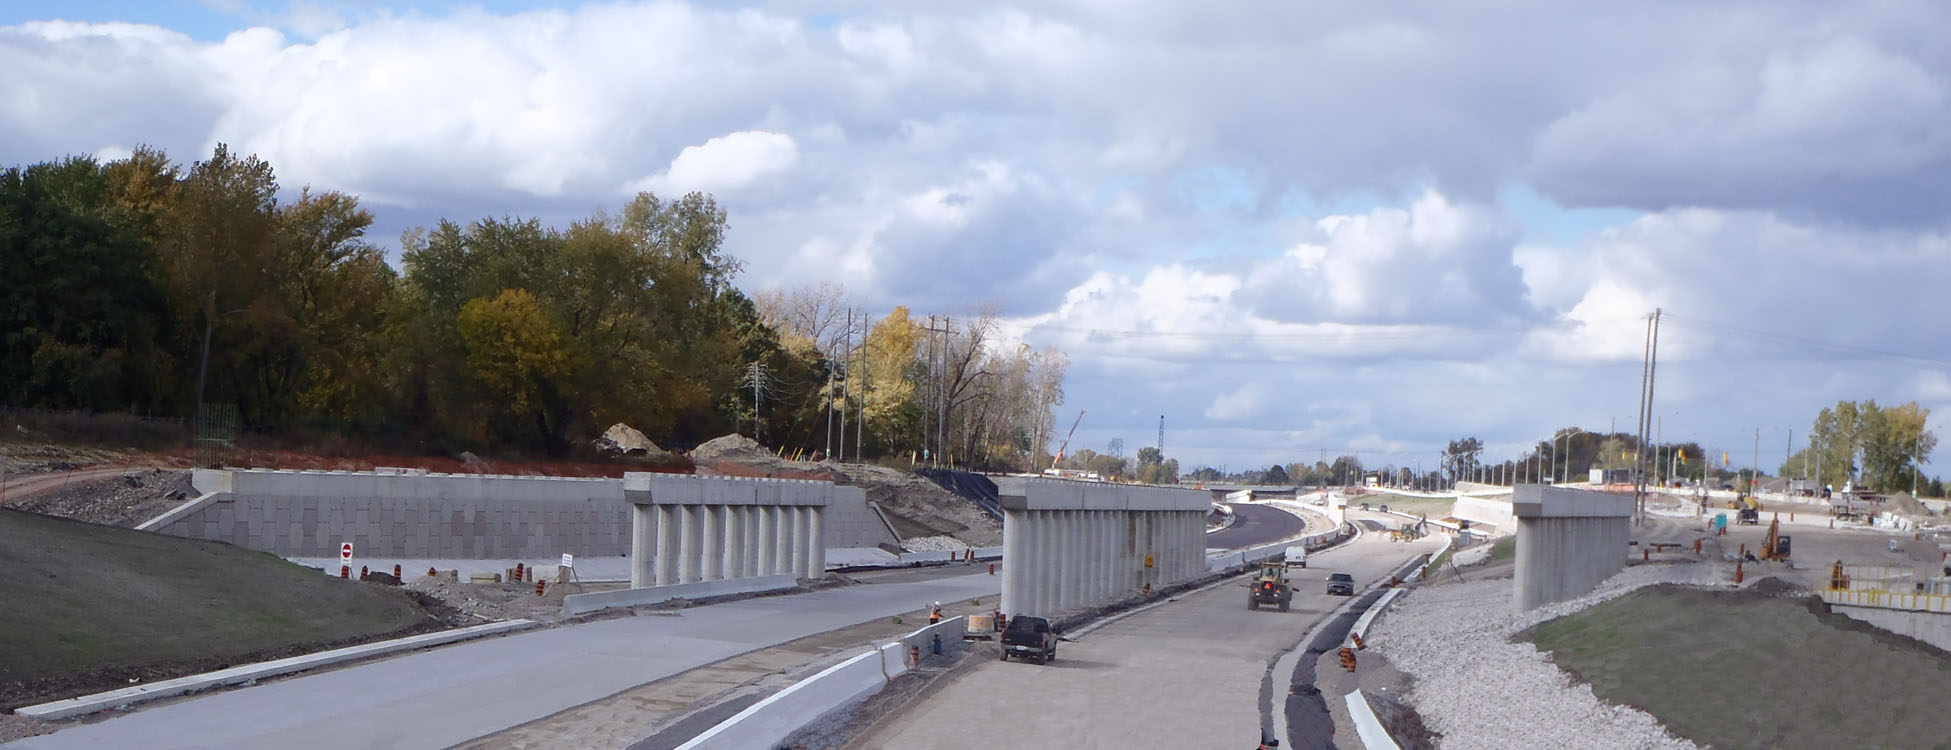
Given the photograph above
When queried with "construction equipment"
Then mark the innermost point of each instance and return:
(1270, 587)
(1775, 547)
(1067, 436)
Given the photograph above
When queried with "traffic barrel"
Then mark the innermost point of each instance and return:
(519, 572)
(1357, 638)
(363, 573)
(431, 572)
(345, 571)
(1347, 659)
(539, 583)
(396, 570)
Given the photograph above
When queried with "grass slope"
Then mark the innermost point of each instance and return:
(82, 600)
(1739, 669)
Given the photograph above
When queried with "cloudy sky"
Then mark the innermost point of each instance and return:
(1288, 227)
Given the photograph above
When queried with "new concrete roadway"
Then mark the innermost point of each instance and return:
(438, 698)
(1183, 674)
(1254, 525)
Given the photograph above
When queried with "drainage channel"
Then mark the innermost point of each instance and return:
(1308, 722)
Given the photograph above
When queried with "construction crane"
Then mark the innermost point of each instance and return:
(1067, 436)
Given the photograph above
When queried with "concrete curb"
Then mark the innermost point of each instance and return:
(580, 604)
(86, 704)
(777, 716)
(170, 516)
(1369, 728)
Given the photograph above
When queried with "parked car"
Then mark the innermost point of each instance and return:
(1341, 583)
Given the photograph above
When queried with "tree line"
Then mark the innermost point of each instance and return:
(141, 286)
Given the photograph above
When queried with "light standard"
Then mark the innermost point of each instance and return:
(1566, 477)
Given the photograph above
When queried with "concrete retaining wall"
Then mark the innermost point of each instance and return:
(1930, 627)
(395, 515)
(463, 516)
(1495, 511)
(766, 723)
(576, 604)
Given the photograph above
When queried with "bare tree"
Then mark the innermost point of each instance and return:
(818, 313)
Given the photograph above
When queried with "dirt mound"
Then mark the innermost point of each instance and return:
(92, 607)
(1902, 503)
(1772, 586)
(1645, 649)
(124, 501)
(733, 447)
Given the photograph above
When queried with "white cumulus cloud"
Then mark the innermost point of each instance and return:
(726, 163)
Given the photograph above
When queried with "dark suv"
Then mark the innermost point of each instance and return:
(1341, 583)
(1030, 638)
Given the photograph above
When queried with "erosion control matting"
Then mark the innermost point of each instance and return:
(1756, 668)
(1308, 722)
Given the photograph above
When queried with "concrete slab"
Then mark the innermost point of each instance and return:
(446, 696)
(89, 704)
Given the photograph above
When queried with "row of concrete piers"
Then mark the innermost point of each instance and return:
(687, 529)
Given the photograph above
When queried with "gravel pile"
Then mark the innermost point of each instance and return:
(123, 501)
(1480, 690)
(934, 544)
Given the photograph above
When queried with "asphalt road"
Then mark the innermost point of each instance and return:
(1180, 675)
(437, 698)
(1255, 525)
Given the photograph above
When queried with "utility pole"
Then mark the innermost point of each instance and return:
(1754, 464)
(938, 403)
(846, 380)
(860, 426)
(1647, 377)
(1161, 438)
(929, 347)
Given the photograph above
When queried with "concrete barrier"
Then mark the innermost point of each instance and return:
(577, 604)
(766, 723)
(1367, 727)
(88, 704)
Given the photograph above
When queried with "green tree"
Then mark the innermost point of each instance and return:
(1276, 474)
(515, 349)
(78, 335)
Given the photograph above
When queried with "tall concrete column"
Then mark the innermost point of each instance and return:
(711, 563)
(754, 525)
(802, 523)
(1196, 541)
(1107, 566)
(643, 545)
(768, 538)
(782, 554)
(1074, 560)
(687, 553)
(816, 545)
(1045, 583)
(733, 548)
(667, 523)
(1093, 555)
(1013, 559)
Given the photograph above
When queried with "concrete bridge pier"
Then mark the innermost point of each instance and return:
(688, 529)
(1568, 541)
(1069, 544)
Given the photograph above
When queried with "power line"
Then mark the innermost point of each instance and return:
(1783, 338)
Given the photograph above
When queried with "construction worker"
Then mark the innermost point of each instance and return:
(935, 613)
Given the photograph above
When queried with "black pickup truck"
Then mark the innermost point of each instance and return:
(1030, 637)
